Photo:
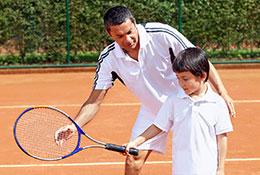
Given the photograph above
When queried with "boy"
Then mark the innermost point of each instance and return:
(198, 117)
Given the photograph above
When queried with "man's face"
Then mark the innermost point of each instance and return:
(126, 35)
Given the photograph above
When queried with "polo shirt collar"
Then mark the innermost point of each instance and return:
(119, 51)
(143, 39)
(208, 97)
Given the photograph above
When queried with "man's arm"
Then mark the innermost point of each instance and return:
(215, 79)
(86, 113)
(90, 107)
(222, 151)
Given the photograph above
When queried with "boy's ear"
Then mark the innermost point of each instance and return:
(172, 55)
(204, 76)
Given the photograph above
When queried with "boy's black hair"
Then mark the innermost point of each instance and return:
(191, 59)
(116, 16)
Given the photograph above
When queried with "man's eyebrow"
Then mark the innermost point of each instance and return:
(129, 31)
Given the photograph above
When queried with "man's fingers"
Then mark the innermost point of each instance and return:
(62, 134)
(232, 110)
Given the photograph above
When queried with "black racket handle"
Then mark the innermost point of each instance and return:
(121, 149)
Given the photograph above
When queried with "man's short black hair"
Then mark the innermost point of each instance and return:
(116, 16)
(192, 59)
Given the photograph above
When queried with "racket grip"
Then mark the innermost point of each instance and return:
(121, 149)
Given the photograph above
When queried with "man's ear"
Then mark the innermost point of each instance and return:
(134, 22)
(108, 33)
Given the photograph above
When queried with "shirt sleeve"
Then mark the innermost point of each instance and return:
(223, 124)
(164, 118)
(176, 40)
(103, 78)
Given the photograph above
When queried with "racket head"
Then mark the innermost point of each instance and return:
(34, 132)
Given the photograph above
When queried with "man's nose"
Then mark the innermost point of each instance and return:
(128, 38)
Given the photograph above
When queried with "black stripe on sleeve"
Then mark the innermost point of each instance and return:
(100, 60)
(170, 32)
(115, 76)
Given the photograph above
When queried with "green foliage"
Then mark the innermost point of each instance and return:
(36, 30)
(233, 54)
(222, 24)
(92, 57)
(30, 59)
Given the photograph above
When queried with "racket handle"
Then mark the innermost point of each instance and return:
(121, 149)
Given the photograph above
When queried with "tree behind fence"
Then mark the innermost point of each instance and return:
(33, 26)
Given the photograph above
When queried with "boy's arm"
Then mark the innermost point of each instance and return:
(222, 151)
(149, 133)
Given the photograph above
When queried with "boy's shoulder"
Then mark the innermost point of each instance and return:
(215, 96)
(212, 96)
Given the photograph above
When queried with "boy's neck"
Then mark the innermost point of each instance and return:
(202, 91)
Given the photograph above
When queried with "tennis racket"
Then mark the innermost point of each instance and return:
(35, 129)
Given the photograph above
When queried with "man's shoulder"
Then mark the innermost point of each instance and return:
(108, 50)
(176, 95)
(156, 26)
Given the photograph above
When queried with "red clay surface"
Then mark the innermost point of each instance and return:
(114, 121)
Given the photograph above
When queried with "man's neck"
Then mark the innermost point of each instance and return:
(133, 53)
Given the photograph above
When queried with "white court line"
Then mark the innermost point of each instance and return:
(108, 104)
(71, 105)
(247, 101)
(109, 163)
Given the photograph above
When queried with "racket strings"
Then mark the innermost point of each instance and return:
(35, 132)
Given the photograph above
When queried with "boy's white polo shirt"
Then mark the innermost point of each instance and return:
(195, 125)
(151, 78)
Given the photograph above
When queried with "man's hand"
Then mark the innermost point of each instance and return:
(220, 172)
(230, 104)
(128, 146)
(64, 133)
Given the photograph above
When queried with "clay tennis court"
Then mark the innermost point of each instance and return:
(68, 90)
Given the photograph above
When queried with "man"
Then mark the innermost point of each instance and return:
(140, 58)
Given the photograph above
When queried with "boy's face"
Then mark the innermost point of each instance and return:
(192, 85)
(126, 35)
